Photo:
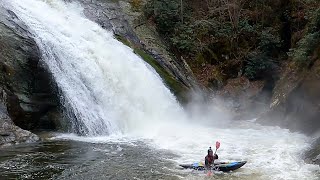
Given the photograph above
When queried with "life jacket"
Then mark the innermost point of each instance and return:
(209, 160)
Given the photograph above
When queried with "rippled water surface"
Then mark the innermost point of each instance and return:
(82, 160)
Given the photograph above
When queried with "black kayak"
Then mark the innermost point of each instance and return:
(223, 166)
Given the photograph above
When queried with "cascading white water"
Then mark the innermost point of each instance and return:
(106, 88)
(110, 90)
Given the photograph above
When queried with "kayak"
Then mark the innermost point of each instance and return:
(223, 166)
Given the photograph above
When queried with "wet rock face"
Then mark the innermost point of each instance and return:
(24, 82)
(11, 134)
(108, 14)
(296, 101)
(248, 98)
(153, 44)
(313, 154)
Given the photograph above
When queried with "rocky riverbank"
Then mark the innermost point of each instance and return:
(11, 134)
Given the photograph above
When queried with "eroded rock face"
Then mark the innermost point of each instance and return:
(11, 134)
(296, 101)
(152, 43)
(248, 98)
(23, 79)
(108, 15)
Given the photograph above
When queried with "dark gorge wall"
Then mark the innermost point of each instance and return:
(295, 102)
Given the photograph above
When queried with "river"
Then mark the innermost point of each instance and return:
(272, 153)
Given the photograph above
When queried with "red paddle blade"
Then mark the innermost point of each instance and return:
(217, 145)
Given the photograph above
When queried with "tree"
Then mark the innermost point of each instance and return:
(181, 6)
(234, 9)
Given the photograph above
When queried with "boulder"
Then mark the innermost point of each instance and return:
(11, 134)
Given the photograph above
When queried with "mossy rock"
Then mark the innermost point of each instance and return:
(179, 90)
(176, 87)
(123, 40)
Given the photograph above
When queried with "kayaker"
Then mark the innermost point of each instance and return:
(209, 159)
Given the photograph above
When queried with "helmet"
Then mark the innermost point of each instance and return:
(209, 150)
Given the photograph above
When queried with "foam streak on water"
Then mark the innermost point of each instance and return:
(108, 90)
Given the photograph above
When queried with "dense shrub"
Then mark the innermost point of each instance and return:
(165, 13)
(258, 65)
(249, 37)
(307, 45)
(268, 42)
(184, 38)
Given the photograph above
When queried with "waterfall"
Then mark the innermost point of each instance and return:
(105, 88)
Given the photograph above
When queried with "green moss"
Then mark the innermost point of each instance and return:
(123, 40)
(114, 1)
(175, 86)
(136, 5)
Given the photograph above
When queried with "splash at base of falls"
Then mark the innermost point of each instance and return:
(271, 152)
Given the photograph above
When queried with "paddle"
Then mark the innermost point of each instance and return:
(217, 146)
